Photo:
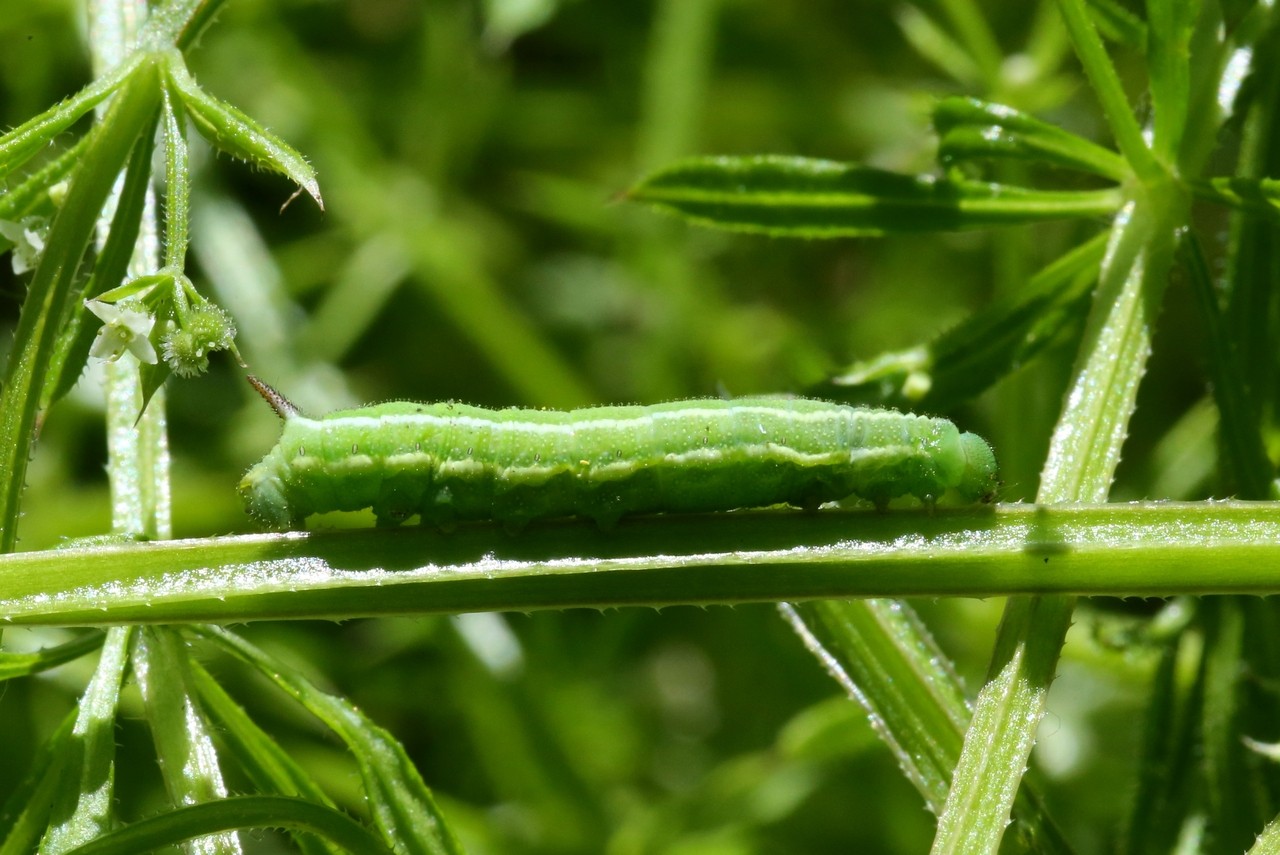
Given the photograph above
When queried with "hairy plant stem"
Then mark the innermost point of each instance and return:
(1083, 454)
(132, 109)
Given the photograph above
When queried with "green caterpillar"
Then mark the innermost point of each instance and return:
(449, 462)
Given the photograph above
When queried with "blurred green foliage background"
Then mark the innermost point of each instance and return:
(473, 247)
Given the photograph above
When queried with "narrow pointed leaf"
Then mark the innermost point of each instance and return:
(151, 377)
(972, 129)
(935, 44)
(271, 768)
(44, 309)
(187, 823)
(800, 197)
(25, 664)
(402, 806)
(990, 345)
(76, 337)
(177, 183)
(86, 806)
(232, 131)
(33, 194)
(28, 139)
(26, 813)
(184, 745)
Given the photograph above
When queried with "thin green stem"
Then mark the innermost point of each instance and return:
(1241, 432)
(679, 60)
(137, 443)
(1106, 84)
(72, 231)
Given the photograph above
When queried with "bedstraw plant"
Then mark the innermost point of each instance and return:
(1097, 228)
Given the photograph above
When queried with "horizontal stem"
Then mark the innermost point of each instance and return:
(1141, 549)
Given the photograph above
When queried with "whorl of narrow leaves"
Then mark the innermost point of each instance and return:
(802, 197)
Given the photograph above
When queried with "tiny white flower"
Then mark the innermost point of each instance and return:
(27, 238)
(123, 328)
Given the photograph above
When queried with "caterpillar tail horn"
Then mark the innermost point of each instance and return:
(284, 408)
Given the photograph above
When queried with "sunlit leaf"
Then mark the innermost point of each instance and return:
(86, 803)
(181, 733)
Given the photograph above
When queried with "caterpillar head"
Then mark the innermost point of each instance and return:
(979, 479)
(263, 494)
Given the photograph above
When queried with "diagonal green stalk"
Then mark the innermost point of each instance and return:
(179, 729)
(1106, 85)
(883, 656)
(1082, 458)
(131, 111)
(85, 806)
(1084, 451)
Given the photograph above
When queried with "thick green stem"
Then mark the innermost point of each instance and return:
(1157, 549)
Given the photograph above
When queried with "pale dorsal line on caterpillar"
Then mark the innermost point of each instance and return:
(449, 462)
